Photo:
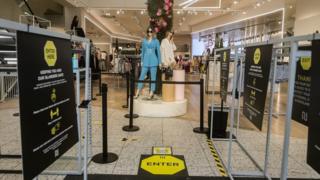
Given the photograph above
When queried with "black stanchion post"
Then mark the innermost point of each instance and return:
(99, 94)
(131, 127)
(132, 91)
(104, 157)
(92, 98)
(201, 129)
(128, 84)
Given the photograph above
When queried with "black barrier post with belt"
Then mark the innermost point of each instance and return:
(104, 157)
(131, 127)
(128, 84)
(100, 86)
(201, 129)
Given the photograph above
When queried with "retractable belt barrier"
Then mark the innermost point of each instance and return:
(201, 129)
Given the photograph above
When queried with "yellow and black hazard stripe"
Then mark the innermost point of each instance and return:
(217, 159)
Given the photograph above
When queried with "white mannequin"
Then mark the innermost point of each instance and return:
(167, 50)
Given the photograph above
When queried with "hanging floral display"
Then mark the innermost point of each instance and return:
(161, 16)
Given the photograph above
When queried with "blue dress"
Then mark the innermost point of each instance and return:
(150, 58)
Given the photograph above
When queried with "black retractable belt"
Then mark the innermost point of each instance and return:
(201, 129)
(104, 157)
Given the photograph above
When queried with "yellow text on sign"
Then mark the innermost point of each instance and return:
(162, 165)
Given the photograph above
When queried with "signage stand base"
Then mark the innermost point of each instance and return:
(133, 116)
(201, 130)
(130, 128)
(105, 159)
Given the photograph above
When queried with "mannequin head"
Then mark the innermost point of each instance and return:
(169, 34)
(149, 33)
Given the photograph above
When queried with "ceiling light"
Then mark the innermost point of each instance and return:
(228, 9)
(290, 6)
(118, 12)
(142, 12)
(210, 13)
(244, 12)
(235, 2)
(180, 24)
(258, 4)
(178, 12)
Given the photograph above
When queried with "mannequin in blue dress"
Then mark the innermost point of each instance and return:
(150, 59)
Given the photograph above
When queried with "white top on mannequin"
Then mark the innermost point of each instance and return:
(167, 52)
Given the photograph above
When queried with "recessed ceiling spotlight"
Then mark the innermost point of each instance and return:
(195, 13)
(178, 12)
(210, 13)
(142, 12)
(258, 4)
(290, 6)
(228, 9)
(180, 24)
(235, 2)
(118, 12)
(244, 12)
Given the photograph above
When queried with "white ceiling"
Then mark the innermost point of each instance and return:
(129, 17)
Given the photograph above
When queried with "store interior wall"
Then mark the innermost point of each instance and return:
(9, 10)
(307, 17)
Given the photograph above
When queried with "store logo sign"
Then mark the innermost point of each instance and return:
(257, 56)
(305, 63)
(50, 53)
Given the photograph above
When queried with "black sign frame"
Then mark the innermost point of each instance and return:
(224, 73)
(47, 100)
(256, 80)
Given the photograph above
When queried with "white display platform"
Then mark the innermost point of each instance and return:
(158, 108)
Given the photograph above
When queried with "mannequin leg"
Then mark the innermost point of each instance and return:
(142, 75)
(153, 78)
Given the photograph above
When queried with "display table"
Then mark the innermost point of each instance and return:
(158, 108)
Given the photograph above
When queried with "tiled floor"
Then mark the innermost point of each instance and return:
(174, 132)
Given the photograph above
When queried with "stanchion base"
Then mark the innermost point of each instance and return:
(125, 106)
(134, 116)
(16, 114)
(98, 94)
(130, 129)
(201, 131)
(100, 159)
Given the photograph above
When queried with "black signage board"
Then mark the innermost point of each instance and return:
(313, 152)
(256, 78)
(224, 73)
(47, 100)
(301, 98)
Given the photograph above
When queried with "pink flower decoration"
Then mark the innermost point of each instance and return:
(167, 1)
(166, 7)
(156, 29)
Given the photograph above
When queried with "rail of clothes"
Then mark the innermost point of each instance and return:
(198, 64)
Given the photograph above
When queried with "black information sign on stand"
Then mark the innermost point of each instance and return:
(47, 100)
(224, 73)
(256, 78)
(313, 152)
(301, 98)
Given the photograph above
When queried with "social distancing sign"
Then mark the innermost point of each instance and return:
(162, 165)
